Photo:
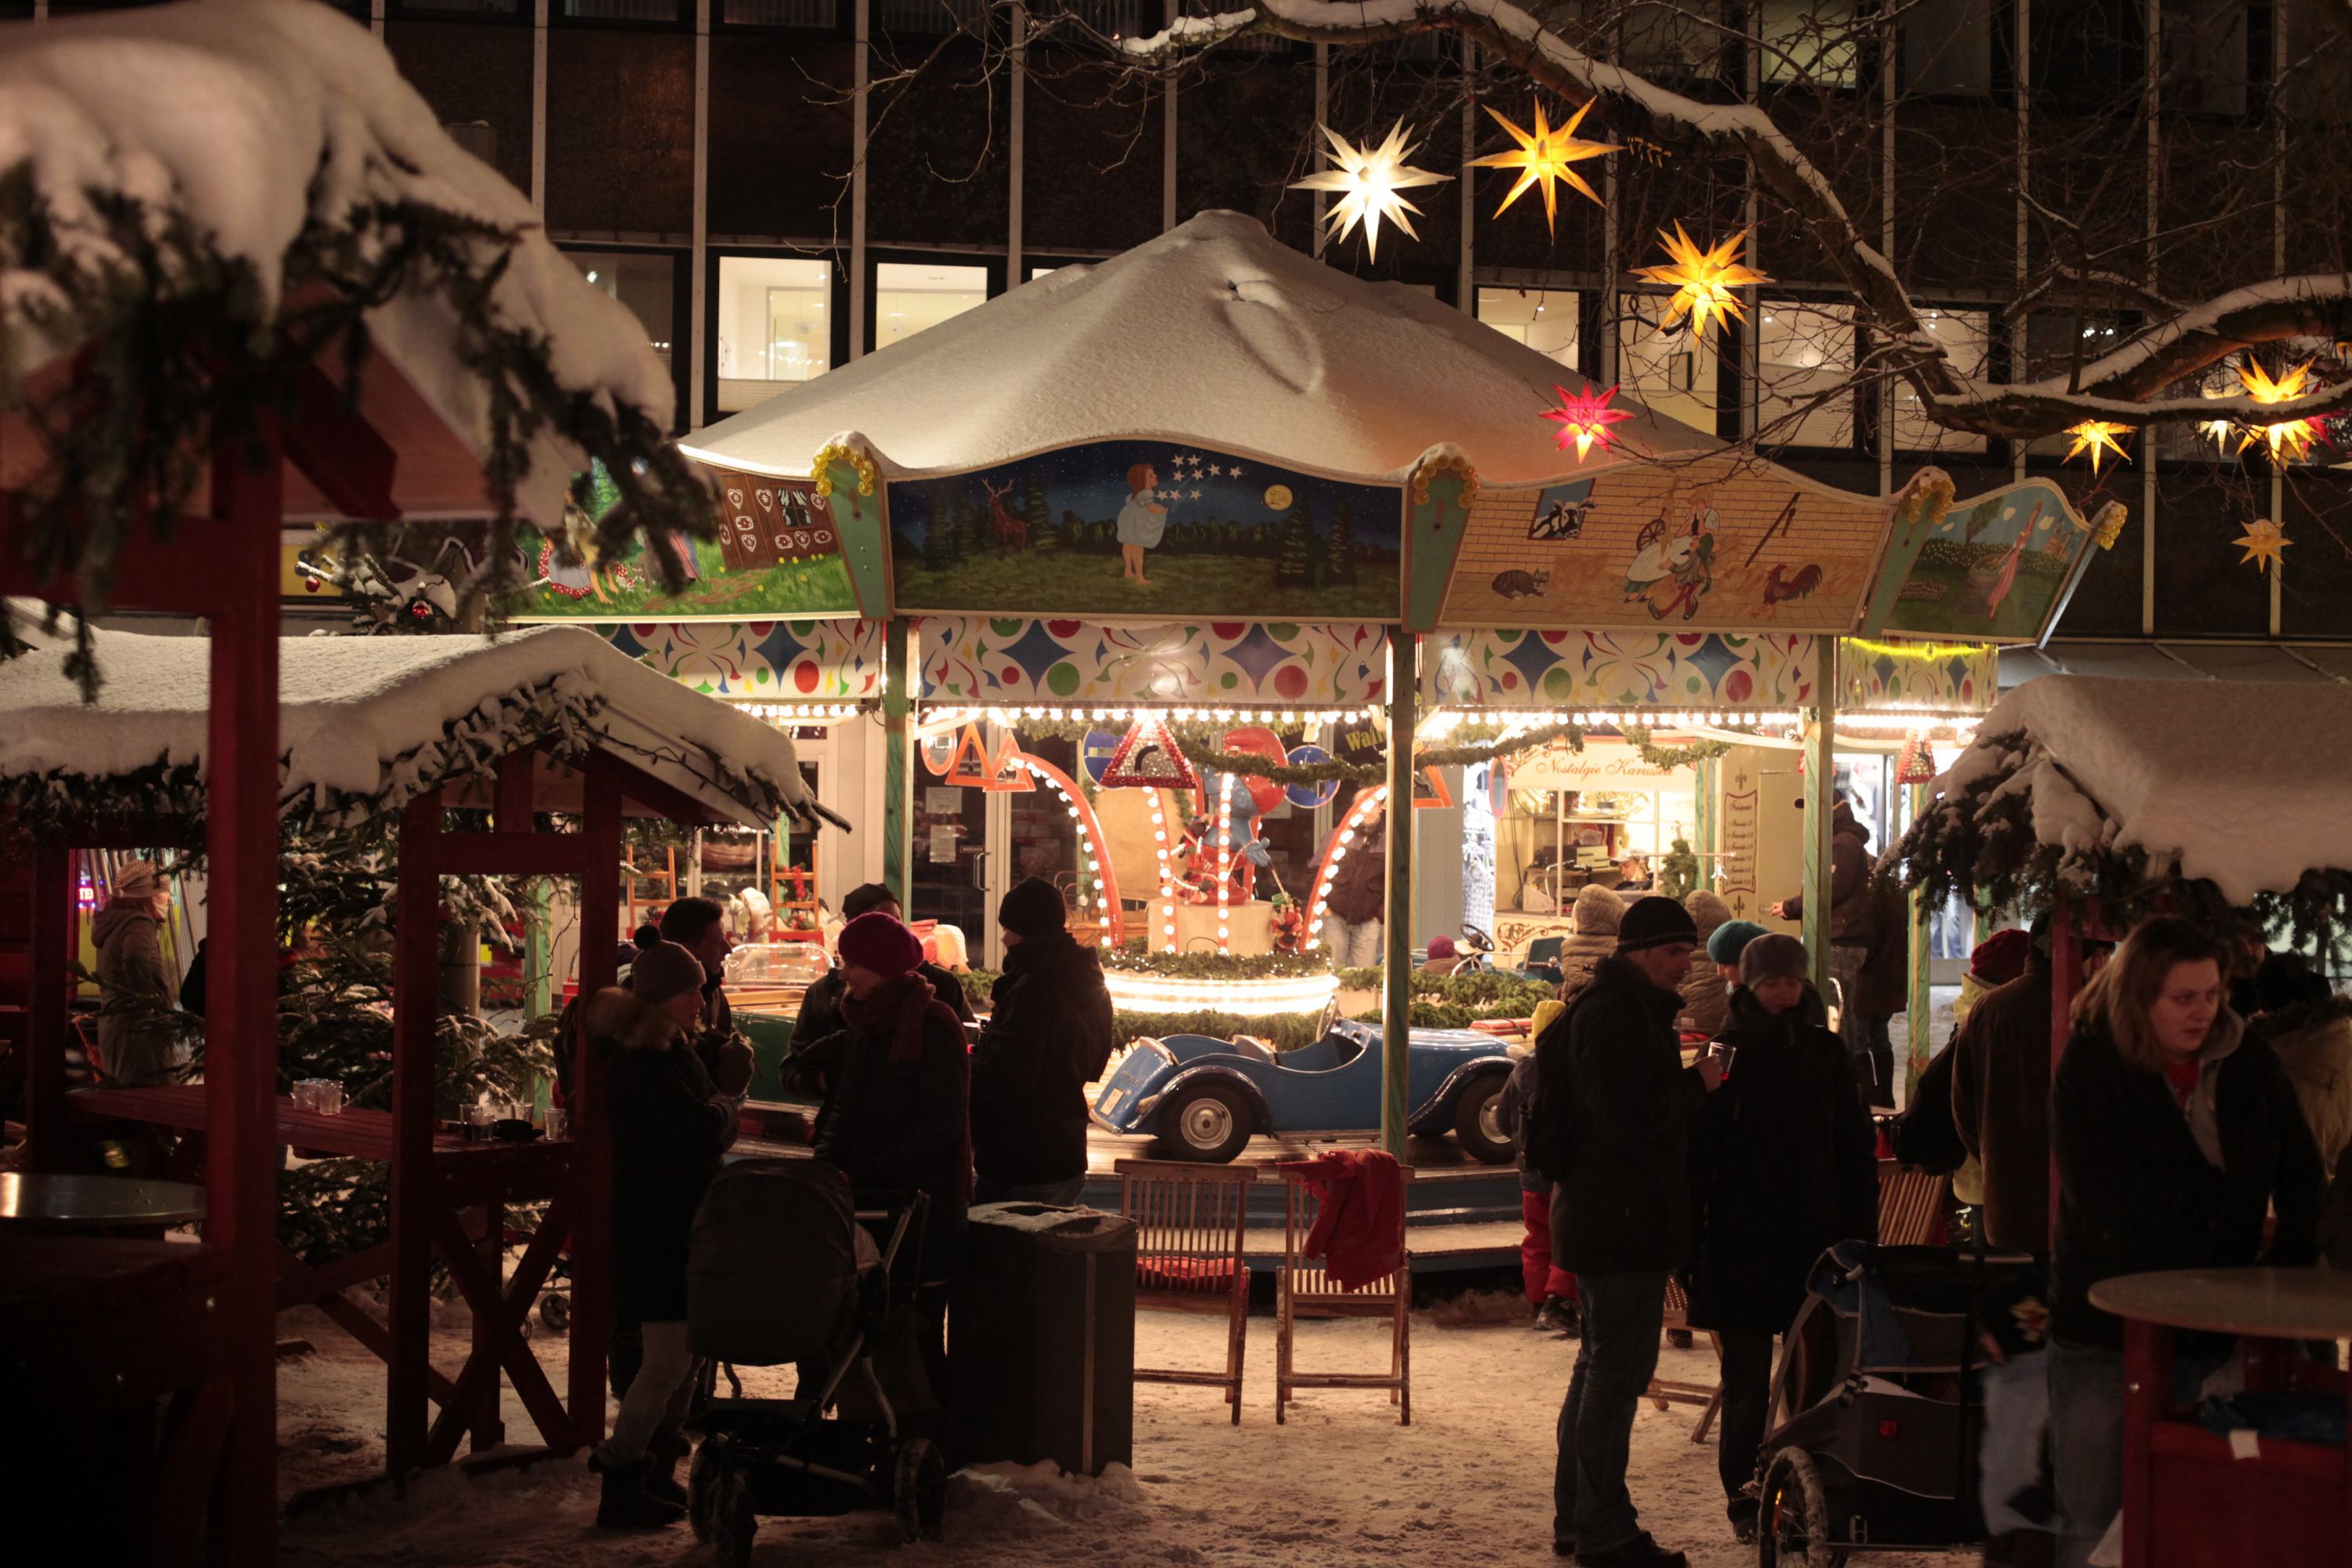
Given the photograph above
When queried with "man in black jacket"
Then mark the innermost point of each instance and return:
(1613, 1109)
(1047, 1037)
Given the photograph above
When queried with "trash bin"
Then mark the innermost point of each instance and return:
(1041, 1337)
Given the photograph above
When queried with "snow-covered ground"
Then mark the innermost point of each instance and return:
(1342, 1485)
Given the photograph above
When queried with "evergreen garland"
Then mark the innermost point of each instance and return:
(1216, 966)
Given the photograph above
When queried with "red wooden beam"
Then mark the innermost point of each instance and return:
(664, 799)
(339, 451)
(133, 830)
(591, 1167)
(513, 854)
(518, 789)
(417, 966)
(46, 1021)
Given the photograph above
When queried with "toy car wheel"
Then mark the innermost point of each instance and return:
(1207, 1122)
(732, 1522)
(1795, 1524)
(919, 1491)
(1475, 1120)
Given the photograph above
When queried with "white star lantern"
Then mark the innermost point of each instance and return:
(1369, 179)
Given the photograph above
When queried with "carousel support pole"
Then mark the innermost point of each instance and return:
(1396, 1014)
(45, 1057)
(2065, 977)
(898, 766)
(416, 952)
(241, 999)
(591, 1161)
(1820, 784)
(1919, 1000)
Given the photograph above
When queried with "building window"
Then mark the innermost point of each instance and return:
(1804, 354)
(666, 11)
(1671, 372)
(1947, 47)
(821, 15)
(455, 7)
(911, 295)
(1543, 319)
(479, 137)
(2088, 55)
(930, 18)
(2204, 58)
(774, 328)
(1672, 40)
(2318, 85)
(1966, 337)
(1811, 43)
(2058, 343)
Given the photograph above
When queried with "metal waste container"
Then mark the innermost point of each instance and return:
(1041, 1337)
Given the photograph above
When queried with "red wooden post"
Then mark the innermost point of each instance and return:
(2147, 1380)
(47, 1018)
(416, 970)
(592, 1164)
(241, 964)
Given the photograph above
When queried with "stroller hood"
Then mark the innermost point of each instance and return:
(773, 1266)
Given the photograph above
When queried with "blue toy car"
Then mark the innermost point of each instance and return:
(1203, 1099)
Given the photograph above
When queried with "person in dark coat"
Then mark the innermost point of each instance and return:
(1783, 1166)
(138, 1043)
(2177, 1134)
(1613, 1106)
(699, 926)
(805, 1072)
(1357, 901)
(1870, 953)
(668, 1123)
(1048, 1036)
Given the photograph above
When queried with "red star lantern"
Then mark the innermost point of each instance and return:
(1584, 417)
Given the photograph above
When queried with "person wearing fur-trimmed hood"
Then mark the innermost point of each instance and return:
(1598, 912)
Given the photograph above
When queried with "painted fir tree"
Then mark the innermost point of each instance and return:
(1342, 547)
(1295, 566)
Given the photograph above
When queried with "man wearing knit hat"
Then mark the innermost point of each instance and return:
(819, 1019)
(1048, 1035)
(137, 1045)
(1613, 1106)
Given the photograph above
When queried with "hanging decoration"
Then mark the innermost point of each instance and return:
(1368, 178)
(1009, 775)
(2291, 437)
(1917, 764)
(1149, 759)
(971, 766)
(1310, 797)
(2263, 540)
(2095, 436)
(1706, 283)
(1543, 157)
(1584, 417)
(1436, 797)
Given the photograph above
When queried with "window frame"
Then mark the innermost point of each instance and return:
(681, 313)
(836, 307)
(994, 264)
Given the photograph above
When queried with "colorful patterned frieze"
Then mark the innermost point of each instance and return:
(831, 660)
(1666, 669)
(997, 659)
(1943, 677)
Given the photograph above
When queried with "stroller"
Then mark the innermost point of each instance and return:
(1872, 1440)
(782, 1268)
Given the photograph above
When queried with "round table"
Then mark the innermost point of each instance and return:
(2270, 1303)
(38, 1200)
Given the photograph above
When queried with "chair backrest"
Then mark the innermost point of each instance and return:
(1302, 1206)
(1910, 1206)
(1545, 949)
(1189, 1223)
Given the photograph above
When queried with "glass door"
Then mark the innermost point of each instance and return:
(951, 860)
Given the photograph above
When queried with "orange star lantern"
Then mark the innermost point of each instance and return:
(2293, 437)
(1543, 158)
(2263, 540)
(1584, 417)
(2094, 435)
(1706, 283)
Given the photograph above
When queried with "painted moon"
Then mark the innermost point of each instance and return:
(1277, 496)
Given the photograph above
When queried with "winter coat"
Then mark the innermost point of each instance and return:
(2136, 1191)
(1865, 914)
(1613, 1106)
(668, 1124)
(896, 1123)
(1924, 1134)
(1784, 1164)
(2000, 1106)
(1598, 911)
(137, 1045)
(1706, 994)
(1360, 887)
(1048, 1036)
(806, 1069)
(1515, 1116)
(2314, 1043)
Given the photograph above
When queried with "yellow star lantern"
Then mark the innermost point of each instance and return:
(2294, 437)
(2095, 436)
(2263, 540)
(1368, 178)
(1584, 417)
(1705, 283)
(1542, 158)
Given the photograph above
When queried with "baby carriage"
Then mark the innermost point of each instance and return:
(782, 1268)
(1872, 1440)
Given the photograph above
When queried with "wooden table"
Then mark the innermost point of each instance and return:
(2189, 1497)
(37, 1199)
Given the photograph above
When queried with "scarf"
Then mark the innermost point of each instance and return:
(898, 1009)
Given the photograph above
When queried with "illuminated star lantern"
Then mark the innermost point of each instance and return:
(1369, 179)
(2293, 437)
(1705, 283)
(1584, 417)
(1542, 158)
(2094, 435)
(2263, 540)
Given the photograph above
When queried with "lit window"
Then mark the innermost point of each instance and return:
(1966, 335)
(1543, 319)
(774, 331)
(646, 283)
(1810, 42)
(1804, 395)
(911, 295)
(1669, 370)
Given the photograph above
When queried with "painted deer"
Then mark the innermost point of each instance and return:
(1012, 528)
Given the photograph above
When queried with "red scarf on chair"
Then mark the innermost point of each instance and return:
(900, 1008)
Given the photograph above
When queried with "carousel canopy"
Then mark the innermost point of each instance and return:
(2238, 783)
(370, 716)
(1214, 332)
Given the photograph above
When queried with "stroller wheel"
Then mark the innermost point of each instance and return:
(1795, 1525)
(919, 1490)
(555, 1311)
(702, 1482)
(732, 1522)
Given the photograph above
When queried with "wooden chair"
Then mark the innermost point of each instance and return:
(1303, 1288)
(1665, 1391)
(1189, 1223)
(1910, 1206)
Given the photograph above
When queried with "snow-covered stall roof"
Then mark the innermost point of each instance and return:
(2239, 783)
(254, 118)
(372, 717)
(1214, 332)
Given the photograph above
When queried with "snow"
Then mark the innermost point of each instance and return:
(1213, 333)
(1341, 1486)
(357, 715)
(256, 116)
(2238, 782)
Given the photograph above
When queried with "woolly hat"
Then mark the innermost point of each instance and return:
(663, 971)
(135, 880)
(1597, 910)
(1731, 939)
(1655, 921)
(1033, 909)
(1441, 947)
(864, 897)
(2001, 957)
(1773, 957)
(1708, 910)
(882, 944)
